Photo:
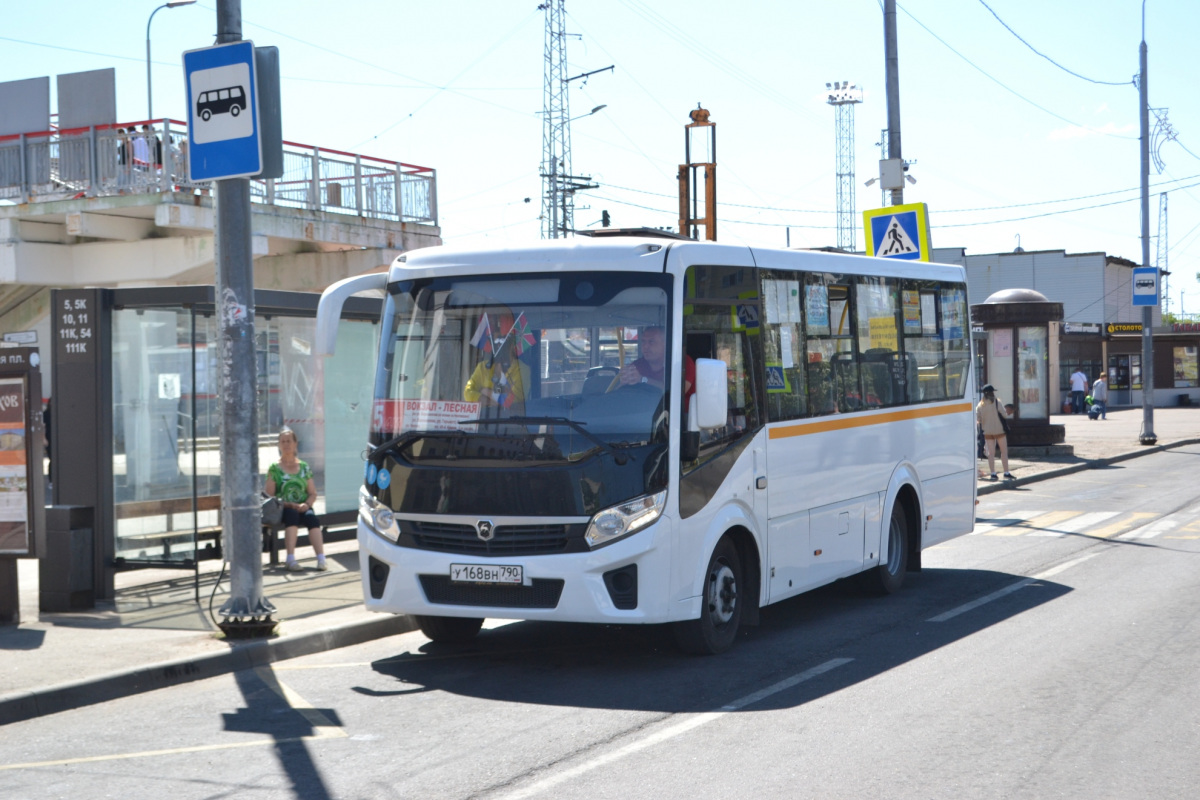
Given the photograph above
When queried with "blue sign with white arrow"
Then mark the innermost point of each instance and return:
(224, 138)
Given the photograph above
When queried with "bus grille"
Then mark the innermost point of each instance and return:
(544, 593)
(516, 540)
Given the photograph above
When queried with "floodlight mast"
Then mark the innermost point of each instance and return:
(843, 96)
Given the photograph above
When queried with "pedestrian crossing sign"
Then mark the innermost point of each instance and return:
(898, 232)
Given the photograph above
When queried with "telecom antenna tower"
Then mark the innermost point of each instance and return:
(843, 96)
(558, 184)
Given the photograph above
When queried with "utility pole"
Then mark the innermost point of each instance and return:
(1147, 435)
(843, 96)
(891, 170)
(247, 613)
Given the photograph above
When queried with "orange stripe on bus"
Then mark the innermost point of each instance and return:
(843, 423)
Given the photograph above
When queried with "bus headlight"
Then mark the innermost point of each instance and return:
(613, 523)
(378, 517)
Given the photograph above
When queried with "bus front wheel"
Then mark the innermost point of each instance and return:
(888, 577)
(721, 610)
(451, 630)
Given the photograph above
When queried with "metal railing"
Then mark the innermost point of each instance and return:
(151, 156)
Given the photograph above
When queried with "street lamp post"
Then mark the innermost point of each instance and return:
(149, 94)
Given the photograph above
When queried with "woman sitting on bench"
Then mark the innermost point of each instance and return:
(291, 480)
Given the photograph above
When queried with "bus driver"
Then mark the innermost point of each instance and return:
(652, 365)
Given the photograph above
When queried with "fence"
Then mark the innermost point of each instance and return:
(151, 156)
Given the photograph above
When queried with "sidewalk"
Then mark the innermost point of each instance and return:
(156, 635)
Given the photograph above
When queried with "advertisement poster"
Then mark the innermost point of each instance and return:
(14, 500)
(816, 305)
(1185, 367)
(912, 311)
(1031, 373)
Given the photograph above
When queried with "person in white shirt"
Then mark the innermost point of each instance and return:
(1079, 387)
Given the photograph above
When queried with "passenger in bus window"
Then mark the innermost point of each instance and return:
(499, 380)
(651, 367)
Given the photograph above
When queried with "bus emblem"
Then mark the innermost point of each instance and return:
(485, 530)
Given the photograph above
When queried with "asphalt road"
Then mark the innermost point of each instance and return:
(1053, 653)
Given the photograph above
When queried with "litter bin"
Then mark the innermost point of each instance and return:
(65, 570)
(1185, 399)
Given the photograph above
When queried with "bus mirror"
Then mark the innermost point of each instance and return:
(711, 400)
(329, 310)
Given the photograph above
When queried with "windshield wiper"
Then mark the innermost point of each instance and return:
(395, 441)
(619, 456)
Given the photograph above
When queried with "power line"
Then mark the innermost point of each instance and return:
(1005, 86)
(1048, 58)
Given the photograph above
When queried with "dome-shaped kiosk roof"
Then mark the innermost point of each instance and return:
(1018, 296)
(1016, 307)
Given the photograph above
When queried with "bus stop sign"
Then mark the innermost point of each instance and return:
(224, 134)
(1145, 286)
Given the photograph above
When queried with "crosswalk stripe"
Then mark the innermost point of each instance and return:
(1132, 518)
(1151, 530)
(1081, 523)
(1097, 524)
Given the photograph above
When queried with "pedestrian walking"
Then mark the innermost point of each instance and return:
(1100, 395)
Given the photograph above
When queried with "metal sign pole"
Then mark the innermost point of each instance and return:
(247, 611)
(1147, 435)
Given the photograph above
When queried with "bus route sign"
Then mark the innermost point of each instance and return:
(898, 232)
(224, 138)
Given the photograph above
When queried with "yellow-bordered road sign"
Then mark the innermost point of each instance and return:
(898, 232)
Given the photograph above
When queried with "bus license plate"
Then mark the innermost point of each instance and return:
(486, 573)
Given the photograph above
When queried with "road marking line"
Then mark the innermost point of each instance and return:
(690, 722)
(325, 727)
(1010, 518)
(1007, 590)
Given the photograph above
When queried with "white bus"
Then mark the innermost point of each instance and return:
(812, 421)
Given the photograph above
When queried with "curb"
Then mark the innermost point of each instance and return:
(1094, 463)
(26, 705)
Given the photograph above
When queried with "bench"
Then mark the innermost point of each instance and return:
(183, 505)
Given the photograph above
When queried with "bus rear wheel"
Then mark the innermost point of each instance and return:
(888, 577)
(721, 610)
(450, 630)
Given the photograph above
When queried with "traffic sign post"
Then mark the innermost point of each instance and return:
(898, 232)
(1145, 286)
(224, 131)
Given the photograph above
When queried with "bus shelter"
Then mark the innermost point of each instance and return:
(136, 415)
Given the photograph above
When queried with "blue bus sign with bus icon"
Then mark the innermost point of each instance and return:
(224, 135)
(1145, 286)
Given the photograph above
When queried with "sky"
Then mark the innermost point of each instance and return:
(1021, 117)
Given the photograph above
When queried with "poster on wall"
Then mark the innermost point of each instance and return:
(14, 494)
(1002, 343)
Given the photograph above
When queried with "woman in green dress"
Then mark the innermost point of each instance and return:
(291, 480)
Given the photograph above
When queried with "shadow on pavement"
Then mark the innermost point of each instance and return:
(638, 668)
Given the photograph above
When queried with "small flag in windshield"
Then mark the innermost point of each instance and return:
(483, 335)
(524, 337)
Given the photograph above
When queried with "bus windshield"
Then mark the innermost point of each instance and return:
(523, 368)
